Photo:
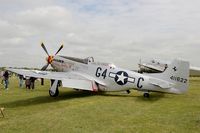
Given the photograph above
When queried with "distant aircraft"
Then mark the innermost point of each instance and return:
(86, 74)
(154, 66)
(194, 71)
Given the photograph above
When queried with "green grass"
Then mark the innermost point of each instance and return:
(34, 111)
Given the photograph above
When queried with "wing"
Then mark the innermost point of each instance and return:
(69, 79)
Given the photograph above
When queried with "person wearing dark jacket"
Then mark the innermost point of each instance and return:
(32, 79)
(6, 79)
(21, 79)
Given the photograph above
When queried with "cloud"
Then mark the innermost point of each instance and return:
(120, 31)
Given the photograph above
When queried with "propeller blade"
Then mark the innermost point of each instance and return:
(59, 49)
(45, 67)
(43, 46)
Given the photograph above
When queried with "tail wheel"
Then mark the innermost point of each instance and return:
(146, 95)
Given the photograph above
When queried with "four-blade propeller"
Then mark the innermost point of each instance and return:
(50, 58)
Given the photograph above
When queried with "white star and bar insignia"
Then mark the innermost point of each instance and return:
(121, 77)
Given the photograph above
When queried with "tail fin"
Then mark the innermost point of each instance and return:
(177, 73)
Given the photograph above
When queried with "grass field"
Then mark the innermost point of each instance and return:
(34, 111)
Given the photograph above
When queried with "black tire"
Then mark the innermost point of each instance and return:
(128, 91)
(146, 95)
(54, 94)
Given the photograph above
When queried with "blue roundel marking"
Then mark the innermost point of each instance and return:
(121, 78)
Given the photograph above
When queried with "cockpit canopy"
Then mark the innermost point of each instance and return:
(89, 60)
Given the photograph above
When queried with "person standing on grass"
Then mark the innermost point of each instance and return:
(21, 78)
(32, 80)
(28, 82)
(2, 81)
(6, 79)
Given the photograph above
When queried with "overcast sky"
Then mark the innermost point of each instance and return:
(118, 31)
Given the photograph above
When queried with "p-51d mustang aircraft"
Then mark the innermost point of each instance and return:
(86, 74)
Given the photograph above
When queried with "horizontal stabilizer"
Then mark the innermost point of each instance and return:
(161, 83)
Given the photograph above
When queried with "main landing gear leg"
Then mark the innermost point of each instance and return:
(54, 92)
